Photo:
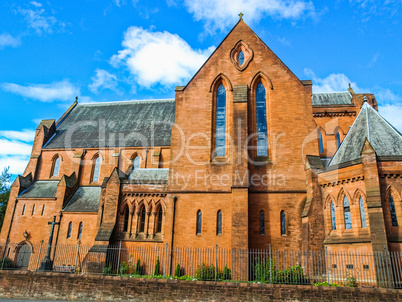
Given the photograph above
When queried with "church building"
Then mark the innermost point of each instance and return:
(245, 156)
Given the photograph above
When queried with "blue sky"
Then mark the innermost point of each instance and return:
(110, 50)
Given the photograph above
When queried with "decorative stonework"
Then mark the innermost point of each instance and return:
(234, 55)
(341, 182)
(333, 114)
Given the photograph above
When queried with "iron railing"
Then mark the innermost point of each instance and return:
(324, 267)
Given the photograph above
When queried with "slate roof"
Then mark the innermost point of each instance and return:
(385, 139)
(140, 123)
(149, 176)
(332, 98)
(41, 189)
(85, 199)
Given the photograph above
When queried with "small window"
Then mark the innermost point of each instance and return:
(70, 228)
(320, 141)
(346, 212)
(199, 221)
(283, 223)
(333, 219)
(23, 210)
(219, 223)
(241, 58)
(33, 210)
(56, 166)
(136, 163)
(262, 223)
(362, 213)
(334, 266)
(43, 210)
(220, 123)
(366, 266)
(338, 139)
(349, 266)
(261, 113)
(126, 217)
(96, 169)
(142, 220)
(159, 226)
(392, 210)
(80, 231)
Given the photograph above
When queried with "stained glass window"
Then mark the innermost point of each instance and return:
(199, 221)
(56, 167)
(346, 212)
(126, 217)
(142, 220)
(80, 231)
(220, 140)
(219, 223)
(136, 163)
(362, 213)
(241, 58)
(159, 227)
(333, 219)
(393, 212)
(95, 176)
(262, 223)
(262, 144)
(283, 223)
(70, 228)
(338, 139)
(320, 142)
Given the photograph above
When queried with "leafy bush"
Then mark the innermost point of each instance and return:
(208, 273)
(226, 274)
(326, 284)
(6, 263)
(157, 267)
(138, 270)
(350, 280)
(124, 268)
(265, 270)
(177, 271)
(107, 270)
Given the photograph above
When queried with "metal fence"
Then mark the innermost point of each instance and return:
(375, 269)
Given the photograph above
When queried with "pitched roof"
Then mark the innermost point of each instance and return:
(85, 199)
(332, 98)
(116, 124)
(41, 189)
(385, 139)
(149, 176)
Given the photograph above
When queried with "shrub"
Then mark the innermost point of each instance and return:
(138, 270)
(226, 274)
(6, 263)
(107, 270)
(157, 267)
(177, 271)
(123, 268)
(264, 269)
(326, 284)
(208, 273)
(350, 280)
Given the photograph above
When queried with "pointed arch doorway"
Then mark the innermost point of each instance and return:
(23, 256)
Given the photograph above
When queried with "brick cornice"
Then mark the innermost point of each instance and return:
(341, 181)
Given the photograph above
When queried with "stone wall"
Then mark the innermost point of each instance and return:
(25, 284)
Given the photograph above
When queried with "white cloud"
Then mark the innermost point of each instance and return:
(103, 80)
(8, 40)
(39, 20)
(36, 4)
(25, 135)
(57, 91)
(17, 164)
(158, 57)
(392, 113)
(332, 83)
(224, 13)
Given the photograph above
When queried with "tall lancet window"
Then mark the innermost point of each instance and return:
(136, 163)
(320, 141)
(220, 134)
(392, 210)
(338, 139)
(96, 169)
(333, 219)
(56, 166)
(346, 212)
(362, 213)
(261, 105)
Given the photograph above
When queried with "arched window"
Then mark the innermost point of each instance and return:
(199, 221)
(136, 163)
(362, 213)
(262, 223)
(80, 231)
(333, 219)
(261, 114)
(43, 210)
(392, 210)
(23, 210)
(219, 223)
(220, 123)
(33, 210)
(346, 213)
(142, 220)
(283, 223)
(56, 166)
(70, 228)
(338, 139)
(96, 169)
(159, 225)
(241, 57)
(126, 216)
(320, 141)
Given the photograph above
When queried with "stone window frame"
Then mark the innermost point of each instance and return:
(283, 223)
(56, 157)
(198, 230)
(219, 222)
(80, 229)
(93, 168)
(69, 230)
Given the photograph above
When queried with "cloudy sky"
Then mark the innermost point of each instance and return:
(110, 50)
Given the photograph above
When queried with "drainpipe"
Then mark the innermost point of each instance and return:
(171, 244)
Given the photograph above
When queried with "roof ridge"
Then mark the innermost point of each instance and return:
(127, 101)
(332, 92)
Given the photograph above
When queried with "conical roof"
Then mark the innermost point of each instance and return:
(382, 136)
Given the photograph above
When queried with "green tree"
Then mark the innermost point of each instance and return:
(5, 187)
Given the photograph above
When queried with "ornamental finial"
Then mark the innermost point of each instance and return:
(241, 15)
